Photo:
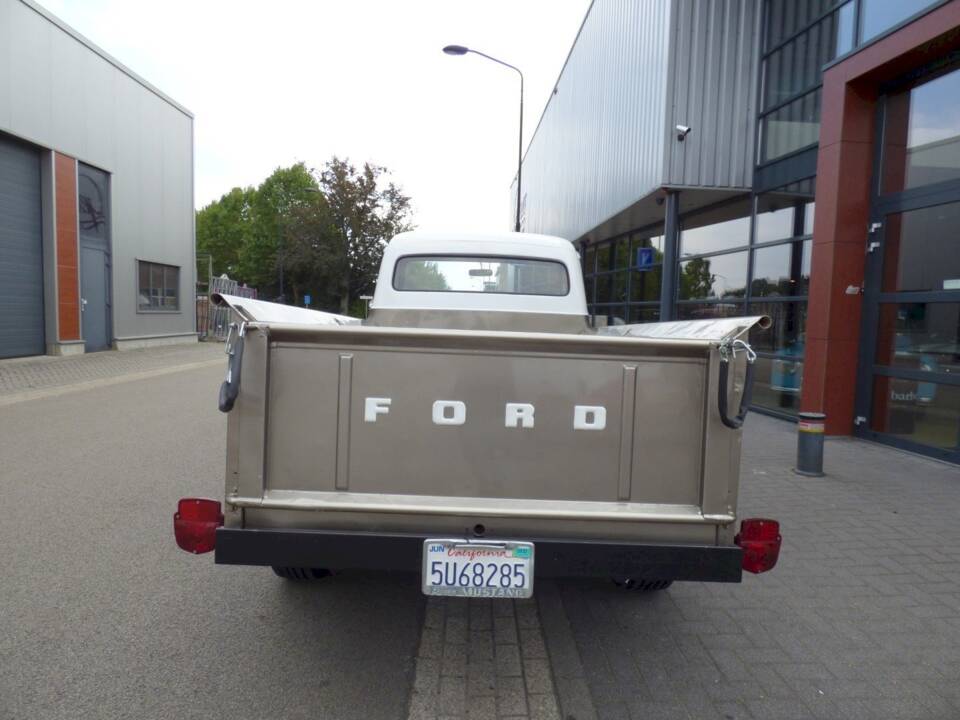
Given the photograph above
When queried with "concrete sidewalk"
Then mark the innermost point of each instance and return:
(860, 619)
(32, 377)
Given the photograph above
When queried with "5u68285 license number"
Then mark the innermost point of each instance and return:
(478, 569)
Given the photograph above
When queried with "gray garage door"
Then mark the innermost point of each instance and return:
(21, 259)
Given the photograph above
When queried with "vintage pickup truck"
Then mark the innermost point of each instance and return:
(481, 429)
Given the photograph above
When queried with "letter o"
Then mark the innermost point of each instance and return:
(589, 417)
(458, 417)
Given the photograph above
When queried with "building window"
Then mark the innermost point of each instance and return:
(622, 277)
(801, 37)
(158, 287)
(921, 135)
(876, 16)
(779, 285)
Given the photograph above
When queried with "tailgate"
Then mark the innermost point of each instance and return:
(391, 427)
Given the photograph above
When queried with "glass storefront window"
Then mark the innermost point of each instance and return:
(785, 336)
(589, 260)
(619, 286)
(707, 311)
(879, 15)
(921, 136)
(643, 313)
(777, 383)
(643, 241)
(603, 257)
(603, 288)
(922, 249)
(719, 236)
(645, 285)
(781, 270)
(796, 66)
(920, 336)
(719, 276)
(621, 257)
(922, 412)
(792, 127)
(786, 17)
(809, 212)
(774, 220)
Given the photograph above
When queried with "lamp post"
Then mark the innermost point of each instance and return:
(461, 50)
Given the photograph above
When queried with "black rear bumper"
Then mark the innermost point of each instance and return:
(554, 557)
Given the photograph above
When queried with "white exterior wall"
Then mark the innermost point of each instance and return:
(61, 93)
(599, 144)
(637, 69)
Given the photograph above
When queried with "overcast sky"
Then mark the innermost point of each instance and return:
(271, 83)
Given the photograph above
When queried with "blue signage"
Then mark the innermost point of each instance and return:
(306, 300)
(645, 258)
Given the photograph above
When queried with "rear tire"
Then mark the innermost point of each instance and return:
(640, 585)
(300, 573)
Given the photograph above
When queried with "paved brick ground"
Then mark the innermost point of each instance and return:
(23, 375)
(482, 660)
(861, 618)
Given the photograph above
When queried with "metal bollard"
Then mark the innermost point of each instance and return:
(810, 444)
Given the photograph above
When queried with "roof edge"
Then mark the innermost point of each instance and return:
(50, 17)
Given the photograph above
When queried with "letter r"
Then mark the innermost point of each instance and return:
(518, 414)
(375, 406)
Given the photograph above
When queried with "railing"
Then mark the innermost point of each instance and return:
(213, 322)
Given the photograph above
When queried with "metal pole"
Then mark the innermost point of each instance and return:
(671, 242)
(520, 154)
(810, 444)
(460, 50)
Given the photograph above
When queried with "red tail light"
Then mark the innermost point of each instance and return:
(760, 540)
(195, 524)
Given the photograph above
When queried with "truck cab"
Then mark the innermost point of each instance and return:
(510, 282)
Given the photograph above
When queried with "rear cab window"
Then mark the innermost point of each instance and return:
(481, 274)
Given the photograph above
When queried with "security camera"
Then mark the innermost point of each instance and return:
(682, 132)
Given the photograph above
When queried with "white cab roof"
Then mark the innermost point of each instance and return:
(518, 245)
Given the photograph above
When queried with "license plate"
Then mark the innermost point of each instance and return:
(473, 568)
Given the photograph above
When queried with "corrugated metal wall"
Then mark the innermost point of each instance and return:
(637, 70)
(714, 65)
(58, 93)
(599, 143)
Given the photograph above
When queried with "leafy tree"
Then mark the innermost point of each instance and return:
(263, 251)
(423, 276)
(223, 227)
(696, 280)
(326, 231)
(365, 216)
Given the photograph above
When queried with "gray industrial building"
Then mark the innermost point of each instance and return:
(793, 158)
(96, 197)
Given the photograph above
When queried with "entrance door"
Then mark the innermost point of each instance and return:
(94, 216)
(909, 380)
(95, 294)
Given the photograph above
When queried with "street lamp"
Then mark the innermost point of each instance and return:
(461, 50)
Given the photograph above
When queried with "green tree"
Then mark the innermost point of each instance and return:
(223, 227)
(366, 213)
(310, 253)
(696, 280)
(326, 231)
(423, 276)
(273, 204)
